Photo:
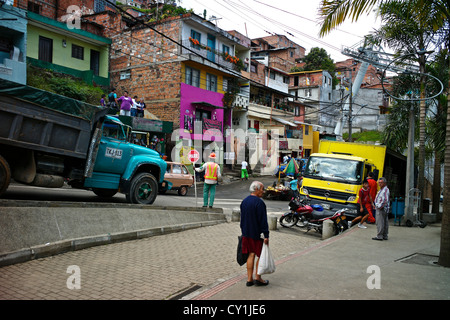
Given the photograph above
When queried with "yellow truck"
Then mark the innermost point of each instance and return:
(334, 175)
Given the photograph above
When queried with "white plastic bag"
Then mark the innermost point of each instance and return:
(266, 263)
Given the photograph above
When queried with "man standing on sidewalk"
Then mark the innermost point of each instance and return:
(253, 223)
(382, 206)
(212, 175)
(244, 173)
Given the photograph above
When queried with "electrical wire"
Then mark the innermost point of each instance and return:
(321, 103)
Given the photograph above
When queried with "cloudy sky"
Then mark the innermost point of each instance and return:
(297, 19)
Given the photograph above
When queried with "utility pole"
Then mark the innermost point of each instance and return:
(410, 165)
(350, 108)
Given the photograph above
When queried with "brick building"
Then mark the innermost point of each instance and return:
(184, 81)
(59, 39)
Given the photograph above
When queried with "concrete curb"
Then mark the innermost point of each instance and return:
(63, 204)
(50, 249)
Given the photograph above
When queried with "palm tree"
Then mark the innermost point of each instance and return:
(402, 32)
(434, 13)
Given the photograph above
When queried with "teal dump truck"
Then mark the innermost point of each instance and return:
(47, 140)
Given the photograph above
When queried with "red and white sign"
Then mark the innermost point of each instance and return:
(193, 156)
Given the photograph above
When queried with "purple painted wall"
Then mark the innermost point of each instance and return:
(191, 94)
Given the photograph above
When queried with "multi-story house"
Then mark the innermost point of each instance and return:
(284, 53)
(59, 40)
(184, 68)
(270, 106)
(314, 89)
(369, 104)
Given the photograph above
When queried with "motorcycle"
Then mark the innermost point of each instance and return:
(305, 215)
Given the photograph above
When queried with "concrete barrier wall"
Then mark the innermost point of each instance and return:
(31, 229)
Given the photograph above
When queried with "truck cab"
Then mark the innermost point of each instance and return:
(118, 165)
(334, 175)
(334, 180)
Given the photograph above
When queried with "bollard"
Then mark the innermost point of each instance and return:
(327, 229)
(272, 222)
(236, 215)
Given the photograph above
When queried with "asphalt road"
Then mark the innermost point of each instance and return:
(228, 195)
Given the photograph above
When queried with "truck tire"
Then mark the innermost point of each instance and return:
(144, 189)
(5, 175)
(104, 193)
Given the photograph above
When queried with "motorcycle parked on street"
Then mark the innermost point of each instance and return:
(305, 215)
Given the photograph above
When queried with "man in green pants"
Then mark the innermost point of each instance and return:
(212, 174)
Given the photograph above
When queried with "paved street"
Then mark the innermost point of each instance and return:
(228, 195)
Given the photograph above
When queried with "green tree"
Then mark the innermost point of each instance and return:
(403, 32)
(437, 14)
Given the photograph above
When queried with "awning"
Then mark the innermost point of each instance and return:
(207, 104)
(284, 122)
(258, 115)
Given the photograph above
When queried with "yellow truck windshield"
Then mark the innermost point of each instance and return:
(333, 169)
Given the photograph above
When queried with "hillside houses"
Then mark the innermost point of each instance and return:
(214, 87)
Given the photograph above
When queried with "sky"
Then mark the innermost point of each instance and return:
(296, 19)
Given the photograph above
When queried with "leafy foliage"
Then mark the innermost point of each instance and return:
(64, 85)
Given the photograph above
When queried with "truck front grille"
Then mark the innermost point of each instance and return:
(329, 193)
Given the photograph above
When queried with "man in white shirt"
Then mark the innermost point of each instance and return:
(244, 173)
(382, 202)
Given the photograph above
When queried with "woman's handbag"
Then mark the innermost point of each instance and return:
(241, 257)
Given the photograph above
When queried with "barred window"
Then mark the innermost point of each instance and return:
(77, 52)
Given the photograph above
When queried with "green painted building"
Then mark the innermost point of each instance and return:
(53, 45)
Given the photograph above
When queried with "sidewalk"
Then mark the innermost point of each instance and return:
(201, 264)
(343, 266)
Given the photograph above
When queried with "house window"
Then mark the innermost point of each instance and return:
(45, 49)
(125, 75)
(383, 110)
(225, 49)
(99, 5)
(253, 68)
(225, 84)
(272, 75)
(211, 82)
(196, 35)
(34, 7)
(307, 92)
(77, 52)
(192, 77)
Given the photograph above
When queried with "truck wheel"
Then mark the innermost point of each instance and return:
(104, 193)
(144, 189)
(5, 175)
(183, 191)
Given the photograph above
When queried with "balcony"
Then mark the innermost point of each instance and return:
(241, 102)
(213, 55)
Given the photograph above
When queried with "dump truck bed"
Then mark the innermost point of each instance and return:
(43, 121)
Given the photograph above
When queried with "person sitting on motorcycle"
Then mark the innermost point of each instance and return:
(365, 205)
